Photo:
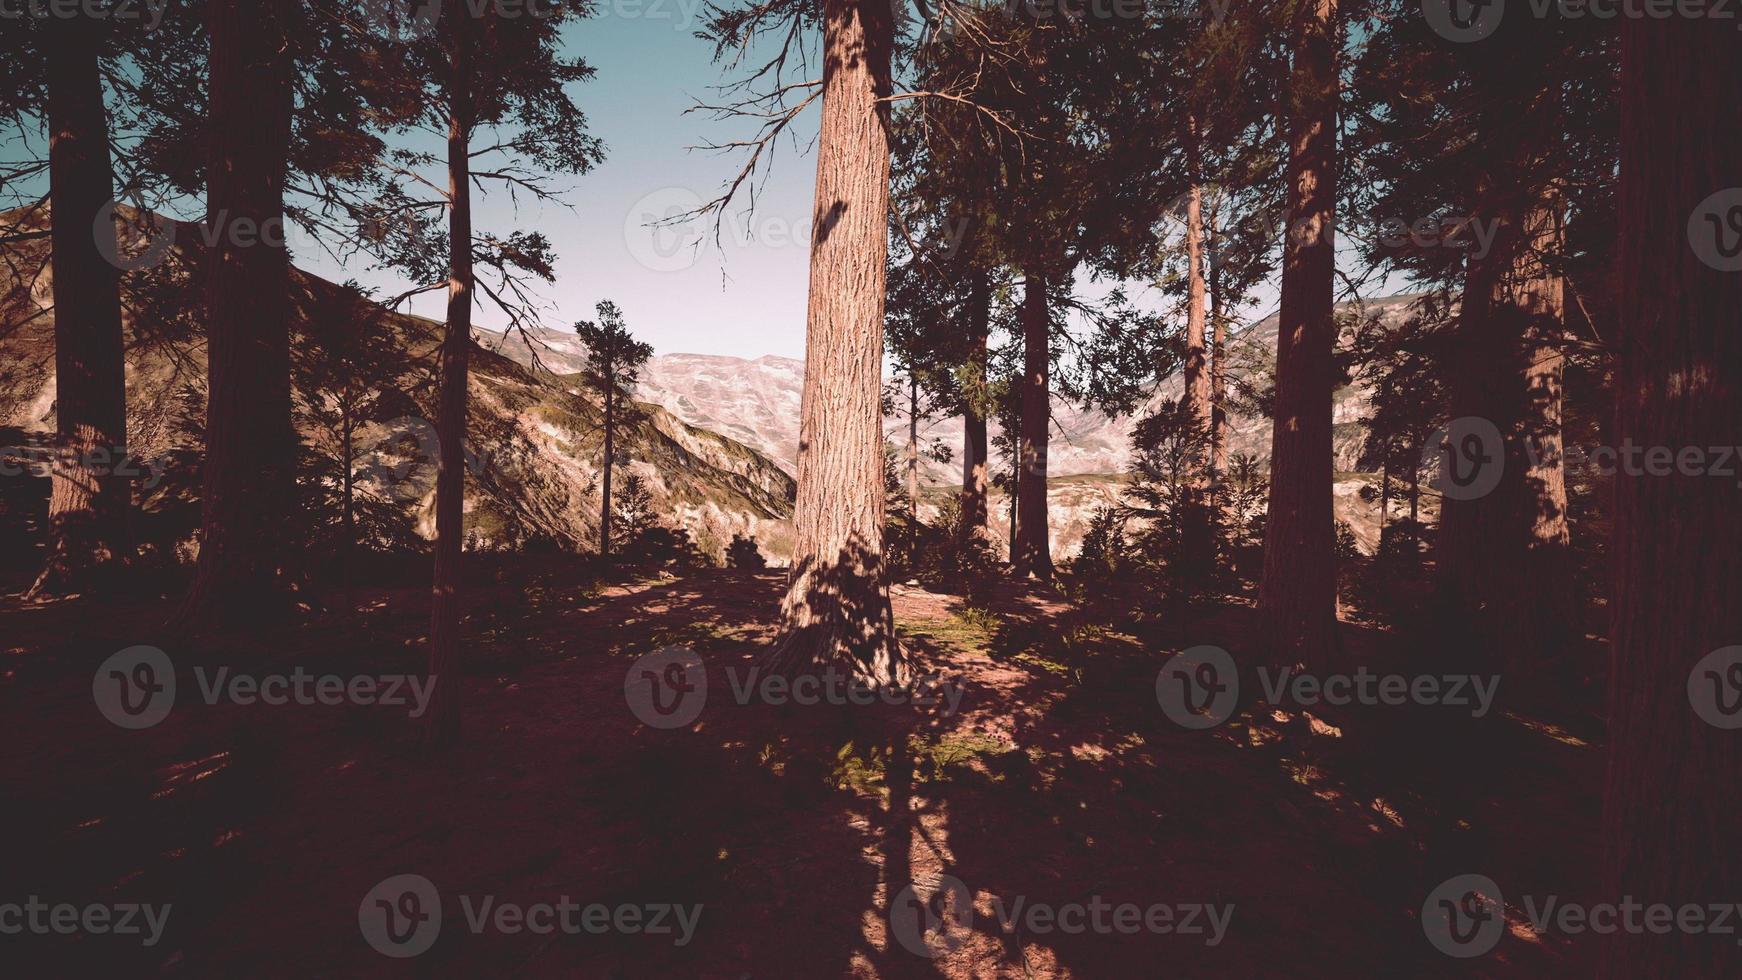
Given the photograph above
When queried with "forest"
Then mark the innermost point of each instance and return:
(1257, 490)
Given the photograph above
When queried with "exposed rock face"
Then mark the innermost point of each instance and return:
(756, 402)
(534, 442)
(716, 447)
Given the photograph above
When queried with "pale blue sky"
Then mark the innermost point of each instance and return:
(746, 299)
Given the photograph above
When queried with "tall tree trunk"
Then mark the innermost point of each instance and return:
(1197, 553)
(610, 451)
(1298, 594)
(442, 722)
(1537, 617)
(1384, 501)
(975, 474)
(249, 474)
(913, 451)
(1196, 396)
(1675, 779)
(348, 488)
(836, 610)
(1033, 550)
(88, 504)
(1218, 358)
(1480, 383)
(1414, 499)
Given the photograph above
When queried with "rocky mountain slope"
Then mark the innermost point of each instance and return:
(757, 403)
(533, 443)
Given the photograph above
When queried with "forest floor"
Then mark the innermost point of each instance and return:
(1058, 781)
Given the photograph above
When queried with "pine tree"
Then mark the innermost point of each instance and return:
(1675, 777)
(249, 472)
(614, 360)
(88, 503)
(1298, 593)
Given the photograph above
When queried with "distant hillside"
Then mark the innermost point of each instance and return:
(756, 402)
(536, 442)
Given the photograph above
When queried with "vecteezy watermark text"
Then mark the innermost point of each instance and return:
(1465, 916)
(41, 918)
(1200, 688)
(669, 687)
(149, 12)
(100, 461)
(1463, 21)
(936, 917)
(136, 688)
(401, 917)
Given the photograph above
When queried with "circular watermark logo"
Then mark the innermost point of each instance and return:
(400, 21)
(406, 454)
(1715, 688)
(663, 229)
(401, 916)
(667, 688)
(932, 921)
(1198, 688)
(1715, 230)
(134, 245)
(1463, 21)
(1472, 457)
(1465, 916)
(135, 688)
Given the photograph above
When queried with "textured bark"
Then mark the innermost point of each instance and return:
(1218, 360)
(249, 474)
(610, 451)
(1674, 782)
(975, 473)
(836, 610)
(442, 723)
(1197, 554)
(913, 450)
(1537, 615)
(1298, 594)
(1033, 550)
(87, 506)
(1197, 364)
(1480, 383)
(1504, 569)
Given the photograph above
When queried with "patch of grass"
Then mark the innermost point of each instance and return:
(956, 631)
(953, 754)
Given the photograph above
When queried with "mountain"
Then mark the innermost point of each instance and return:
(533, 443)
(756, 402)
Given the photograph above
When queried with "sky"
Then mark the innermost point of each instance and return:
(746, 298)
(678, 290)
(743, 298)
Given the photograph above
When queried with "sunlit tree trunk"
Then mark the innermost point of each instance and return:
(348, 490)
(836, 610)
(1536, 619)
(913, 451)
(442, 722)
(249, 474)
(88, 503)
(1298, 594)
(1197, 363)
(1674, 783)
(1218, 358)
(975, 473)
(1033, 554)
(610, 452)
(1195, 527)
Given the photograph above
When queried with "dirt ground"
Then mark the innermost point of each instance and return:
(1057, 782)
